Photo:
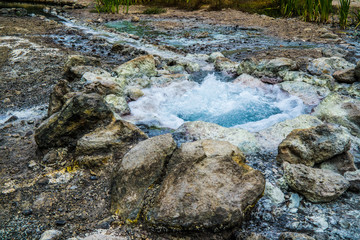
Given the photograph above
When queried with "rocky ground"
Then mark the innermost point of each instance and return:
(58, 184)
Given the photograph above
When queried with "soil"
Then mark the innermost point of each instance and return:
(31, 201)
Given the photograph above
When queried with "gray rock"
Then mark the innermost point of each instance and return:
(294, 236)
(50, 234)
(295, 200)
(345, 76)
(138, 67)
(270, 138)
(317, 185)
(272, 68)
(140, 168)
(340, 110)
(274, 193)
(215, 55)
(340, 163)
(78, 60)
(357, 71)
(354, 179)
(97, 147)
(199, 130)
(57, 97)
(330, 65)
(208, 186)
(80, 115)
(310, 94)
(247, 66)
(313, 145)
(225, 65)
(118, 104)
(297, 76)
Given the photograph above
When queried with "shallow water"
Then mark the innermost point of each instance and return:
(225, 103)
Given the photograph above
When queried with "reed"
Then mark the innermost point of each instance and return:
(356, 18)
(289, 8)
(344, 12)
(113, 6)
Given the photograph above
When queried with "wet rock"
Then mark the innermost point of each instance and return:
(270, 138)
(250, 81)
(50, 235)
(247, 66)
(225, 65)
(96, 148)
(317, 185)
(271, 68)
(57, 97)
(138, 67)
(118, 103)
(298, 76)
(191, 67)
(215, 55)
(340, 163)
(140, 168)
(79, 115)
(313, 145)
(340, 110)
(294, 236)
(199, 130)
(76, 73)
(208, 186)
(345, 76)
(330, 65)
(78, 60)
(357, 71)
(295, 200)
(274, 193)
(269, 80)
(354, 179)
(310, 94)
(175, 69)
(134, 93)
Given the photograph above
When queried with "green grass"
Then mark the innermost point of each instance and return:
(113, 6)
(344, 12)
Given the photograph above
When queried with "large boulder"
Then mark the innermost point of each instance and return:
(270, 138)
(317, 185)
(198, 130)
(328, 66)
(98, 146)
(313, 145)
(340, 163)
(138, 67)
(138, 171)
(340, 110)
(79, 115)
(208, 186)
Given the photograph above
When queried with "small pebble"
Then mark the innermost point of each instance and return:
(93, 178)
(27, 212)
(60, 222)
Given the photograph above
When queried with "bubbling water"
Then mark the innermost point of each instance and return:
(225, 103)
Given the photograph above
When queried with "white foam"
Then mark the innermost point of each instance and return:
(228, 104)
(29, 113)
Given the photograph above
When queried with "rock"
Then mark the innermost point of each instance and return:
(208, 186)
(295, 200)
(225, 65)
(247, 66)
(77, 72)
(80, 115)
(270, 138)
(191, 67)
(138, 67)
(254, 236)
(345, 76)
(104, 87)
(296, 76)
(310, 94)
(94, 76)
(357, 71)
(249, 81)
(330, 35)
(118, 103)
(175, 69)
(274, 193)
(135, 19)
(78, 60)
(354, 178)
(57, 97)
(215, 55)
(340, 163)
(294, 236)
(50, 235)
(199, 130)
(334, 52)
(272, 68)
(97, 147)
(55, 156)
(330, 65)
(313, 145)
(340, 110)
(317, 185)
(134, 93)
(140, 168)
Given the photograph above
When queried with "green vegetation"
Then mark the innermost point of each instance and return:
(344, 12)
(113, 6)
(154, 10)
(310, 10)
(357, 18)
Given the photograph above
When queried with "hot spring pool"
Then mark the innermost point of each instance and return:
(224, 103)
